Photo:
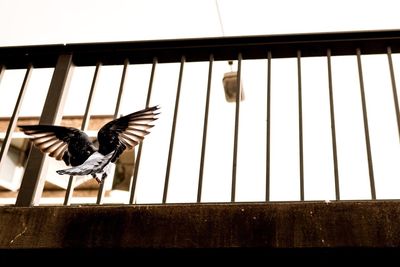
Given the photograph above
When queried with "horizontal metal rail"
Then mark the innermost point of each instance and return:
(199, 49)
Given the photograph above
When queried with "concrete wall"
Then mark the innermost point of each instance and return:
(274, 225)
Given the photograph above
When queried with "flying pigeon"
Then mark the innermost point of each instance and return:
(75, 149)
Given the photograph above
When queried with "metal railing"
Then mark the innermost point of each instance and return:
(240, 49)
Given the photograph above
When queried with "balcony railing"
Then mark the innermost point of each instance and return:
(244, 51)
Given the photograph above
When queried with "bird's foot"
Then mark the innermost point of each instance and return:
(100, 181)
(103, 176)
(96, 178)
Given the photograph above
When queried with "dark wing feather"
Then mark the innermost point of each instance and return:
(63, 143)
(126, 132)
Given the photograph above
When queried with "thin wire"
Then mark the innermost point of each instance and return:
(220, 18)
(230, 62)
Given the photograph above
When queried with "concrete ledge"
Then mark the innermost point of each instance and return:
(362, 224)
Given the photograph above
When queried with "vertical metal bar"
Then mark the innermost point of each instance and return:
(70, 190)
(366, 129)
(86, 116)
(139, 153)
(205, 126)
(236, 133)
(14, 117)
(300, 125)
(171, 143)
(121, 88)
(33, 180)
(268, 143)
(333, 127)
(396, 100)
(101, 192)
(85, 123)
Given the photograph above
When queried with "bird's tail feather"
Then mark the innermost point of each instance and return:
(94, 164)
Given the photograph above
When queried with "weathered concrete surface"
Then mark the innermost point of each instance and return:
(265, 225)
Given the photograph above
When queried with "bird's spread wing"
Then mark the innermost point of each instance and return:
(51, 139)
(94, 164)
(126, 132)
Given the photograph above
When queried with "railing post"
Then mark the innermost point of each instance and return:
(33, 179)
(102, 189)
(394, 89)
(268, 130)
(14, 118)
(236, 130)
(85, 123)
(366, 127)
(171, 142)
(300, 107)
(133, 181)
(205, 127)
(333, 125)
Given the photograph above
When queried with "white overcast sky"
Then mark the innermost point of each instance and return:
(26, 22)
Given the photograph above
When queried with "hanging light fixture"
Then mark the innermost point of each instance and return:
(229, 80)
(230, 84)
